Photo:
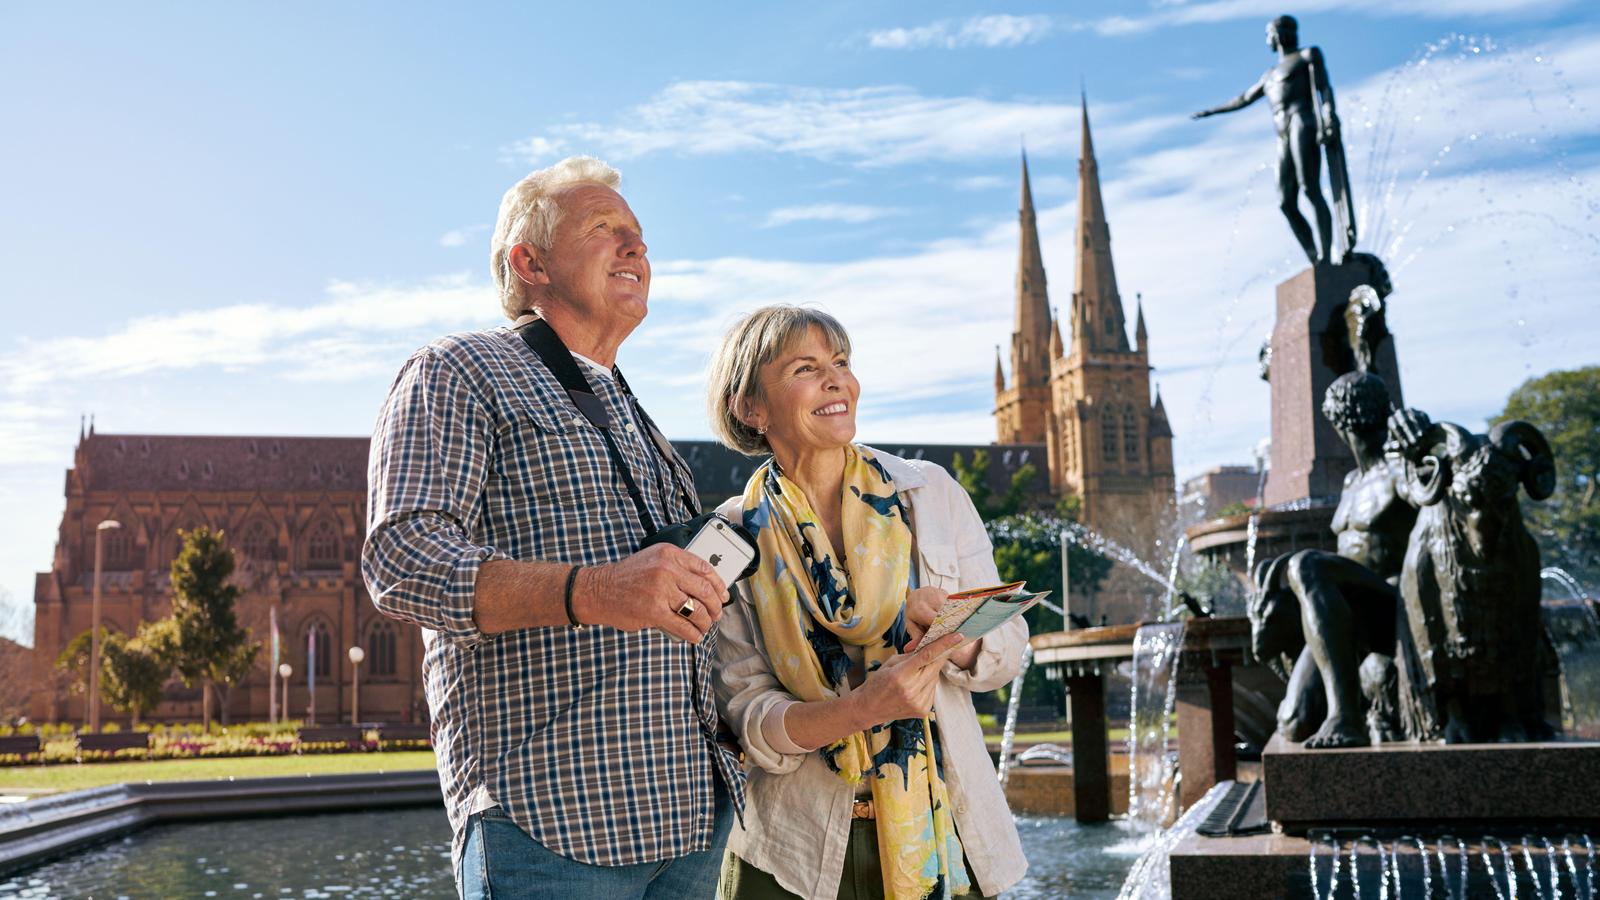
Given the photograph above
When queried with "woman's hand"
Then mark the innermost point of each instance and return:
(903, 687)
(922, 606)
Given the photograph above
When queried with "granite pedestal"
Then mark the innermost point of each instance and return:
(1539, 785)
(1403, 792)
(1309, 350)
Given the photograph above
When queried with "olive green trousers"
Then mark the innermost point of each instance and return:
(862, 878)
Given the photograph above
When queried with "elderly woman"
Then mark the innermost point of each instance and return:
(870, 774)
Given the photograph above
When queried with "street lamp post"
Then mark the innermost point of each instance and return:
(284, 671)
(94, 627)
(356, 656)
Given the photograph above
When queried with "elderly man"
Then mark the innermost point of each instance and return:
(512, 478)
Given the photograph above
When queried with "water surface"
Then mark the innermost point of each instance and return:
(406, 853)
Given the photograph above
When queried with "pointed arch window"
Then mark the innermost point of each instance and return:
(321, 663)
(1130, 435)
(1108, 435)
(118, 548)
(322, 547)
(381, 650)
(259, 542)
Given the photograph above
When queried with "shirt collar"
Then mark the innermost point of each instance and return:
(525, 318)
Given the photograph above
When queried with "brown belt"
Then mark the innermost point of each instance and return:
(862, 809)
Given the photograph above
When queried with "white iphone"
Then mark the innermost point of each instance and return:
(726, 550)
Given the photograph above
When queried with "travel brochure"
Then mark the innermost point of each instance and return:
(977, 612)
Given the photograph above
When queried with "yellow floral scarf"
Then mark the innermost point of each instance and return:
(811, 601)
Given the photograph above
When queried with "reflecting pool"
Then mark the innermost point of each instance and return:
(406, 853)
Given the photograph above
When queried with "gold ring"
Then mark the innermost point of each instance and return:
(687, 609)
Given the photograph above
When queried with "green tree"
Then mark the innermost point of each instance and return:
(131, 675)
(974, 479)
(1027, 547)
(1565, 405)
(73, 663)
(205, 643)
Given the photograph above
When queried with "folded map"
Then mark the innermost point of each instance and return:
(977, 612)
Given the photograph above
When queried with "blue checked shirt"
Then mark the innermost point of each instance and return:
(598, 742)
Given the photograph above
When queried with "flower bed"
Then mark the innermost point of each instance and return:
(58, 743)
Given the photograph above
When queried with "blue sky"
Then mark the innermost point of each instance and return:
(240, 218)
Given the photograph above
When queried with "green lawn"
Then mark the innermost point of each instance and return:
(74, 777)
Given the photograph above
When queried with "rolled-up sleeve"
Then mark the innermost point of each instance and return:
(748, 693)
(425, 478)
(1000, 654)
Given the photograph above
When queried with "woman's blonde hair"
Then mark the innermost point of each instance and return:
(751, 343)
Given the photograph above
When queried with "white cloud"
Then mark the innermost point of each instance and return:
(979, 183)
(535, 150)
(328, 340)
(1178, 14)
(978, 31)
(849, 213)
(458, 237)
(869, 126)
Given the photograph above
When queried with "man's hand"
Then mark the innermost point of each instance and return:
(922, 607)
(903, 687)
(647, 590)
(1408, 429)
(1329, 132)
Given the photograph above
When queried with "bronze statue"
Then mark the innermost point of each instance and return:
(1344, 603)
(1471, 581)
(1292, 87)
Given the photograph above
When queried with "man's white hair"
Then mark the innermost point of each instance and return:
(529, 213)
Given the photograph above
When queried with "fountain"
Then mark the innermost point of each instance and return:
(1415, 753)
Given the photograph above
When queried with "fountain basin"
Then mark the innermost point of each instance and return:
(1227, 540)
(1209, 651)
(1279, 867)
(49, 826)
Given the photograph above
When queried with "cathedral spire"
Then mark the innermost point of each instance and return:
(1029, 343)
(1141, 337)
(999, 373)
(1096, 285)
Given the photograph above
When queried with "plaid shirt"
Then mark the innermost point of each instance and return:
(598, 742)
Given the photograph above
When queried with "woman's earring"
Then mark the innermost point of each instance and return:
(761, 429)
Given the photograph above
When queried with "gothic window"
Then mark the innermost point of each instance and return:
(322, 547)
(259, 542)
(1108, 435)
(1130, 435)
(380, 650)
(324, 650)
(118, 548)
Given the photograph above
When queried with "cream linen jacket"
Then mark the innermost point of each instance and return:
(797, 811)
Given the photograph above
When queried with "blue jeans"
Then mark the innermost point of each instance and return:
(501, 862)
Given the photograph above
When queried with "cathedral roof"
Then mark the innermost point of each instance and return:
(164, 462)
(160, 462)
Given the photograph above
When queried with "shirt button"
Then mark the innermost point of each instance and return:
(577, 421)
(629, 428)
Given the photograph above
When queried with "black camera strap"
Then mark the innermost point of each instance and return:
(553, 352)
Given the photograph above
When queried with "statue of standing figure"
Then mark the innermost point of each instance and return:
(1293, 87)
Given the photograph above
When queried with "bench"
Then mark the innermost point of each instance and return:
(112, 741)
(20, 744)
(352, 736)
(401, 731)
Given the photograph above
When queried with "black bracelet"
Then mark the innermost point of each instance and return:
(566, 597)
